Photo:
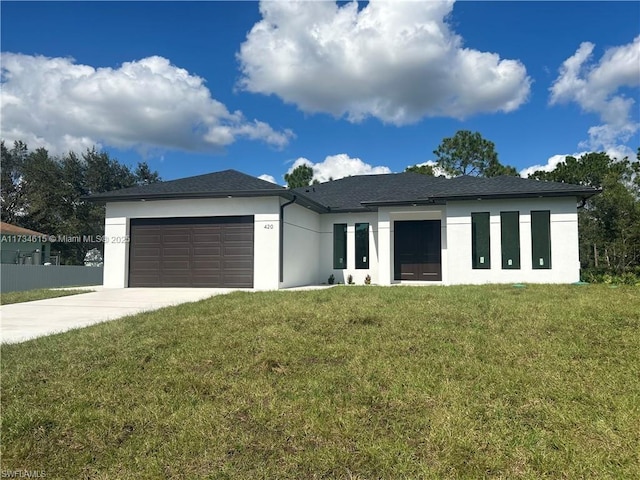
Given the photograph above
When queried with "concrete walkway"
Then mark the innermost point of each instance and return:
(24, 321)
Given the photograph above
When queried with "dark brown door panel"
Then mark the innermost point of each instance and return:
(417, 250)
(191, 252)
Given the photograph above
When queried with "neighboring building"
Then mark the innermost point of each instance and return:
(228, 229)
(23, 246)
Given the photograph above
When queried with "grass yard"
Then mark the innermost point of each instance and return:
(350, 382)
(40, 294)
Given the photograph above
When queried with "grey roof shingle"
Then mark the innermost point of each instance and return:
(366, 191)
(357, 193)
(210, 184)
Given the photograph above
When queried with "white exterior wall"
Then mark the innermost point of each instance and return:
(308, 239)
(301, 247)
(326, 247)
(266, 212)
(565, 262)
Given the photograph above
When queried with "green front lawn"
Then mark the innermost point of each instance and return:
(40, 294)
(349, 382)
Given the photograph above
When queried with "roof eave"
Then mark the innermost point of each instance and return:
(502, 196)
(394, 203)
(181, 195)
(287, 194)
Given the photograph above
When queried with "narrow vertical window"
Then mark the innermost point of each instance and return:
(339, 246)
(510, 238)
(480, 241)
(362, 245)
(541, 239)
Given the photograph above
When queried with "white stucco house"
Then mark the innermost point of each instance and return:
(228, 229)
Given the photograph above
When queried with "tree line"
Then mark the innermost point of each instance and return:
(45, 193)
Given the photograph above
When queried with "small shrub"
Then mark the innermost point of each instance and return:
(367, 280)
(609, 277)
(350, 280)
(331, 280)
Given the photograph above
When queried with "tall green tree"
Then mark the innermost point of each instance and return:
(46, 193)
(301, 176)
(468, 153)
(11, 185)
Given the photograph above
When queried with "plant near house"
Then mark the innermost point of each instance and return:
(350, 280)
(331, 279)
(367, 280)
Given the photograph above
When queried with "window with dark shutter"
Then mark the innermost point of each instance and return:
(340, 246)
(480, 241)
(362, 245)
(510, 240)
(541, 239)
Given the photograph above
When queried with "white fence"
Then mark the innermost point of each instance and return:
(16, 278)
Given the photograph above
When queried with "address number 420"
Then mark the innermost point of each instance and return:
(268, 226)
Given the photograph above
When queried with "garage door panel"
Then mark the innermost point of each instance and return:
(177, 281)
(174, 238)
(149, 280)
(232, 264)
(173, 265)
(204, 251)
(238, 250)
(207, 264)
(200, 252)
(236, 281)
(206, 237)
(146, 265)
(238, 236)
(172, 251)
(144, 251)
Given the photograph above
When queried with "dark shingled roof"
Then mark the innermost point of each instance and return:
(358, 193)
(369, 191)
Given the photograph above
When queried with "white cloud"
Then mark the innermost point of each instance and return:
(396, 61)
(338, 166)
(267, 178)
(149, 103)
(596, 88)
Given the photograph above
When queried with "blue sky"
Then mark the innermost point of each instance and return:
(261, 87)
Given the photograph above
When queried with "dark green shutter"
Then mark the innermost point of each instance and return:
(541, 239)
(340, 246)
(510, 238)
(362, 245)
(480, 240)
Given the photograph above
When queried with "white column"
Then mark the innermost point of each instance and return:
(384, 248)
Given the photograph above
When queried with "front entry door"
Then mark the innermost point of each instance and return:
(417, 250)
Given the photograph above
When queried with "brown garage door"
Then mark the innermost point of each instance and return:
(191, 252)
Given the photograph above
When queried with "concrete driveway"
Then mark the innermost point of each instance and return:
(24, 321)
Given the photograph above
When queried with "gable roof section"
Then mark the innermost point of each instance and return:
(367, 192)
